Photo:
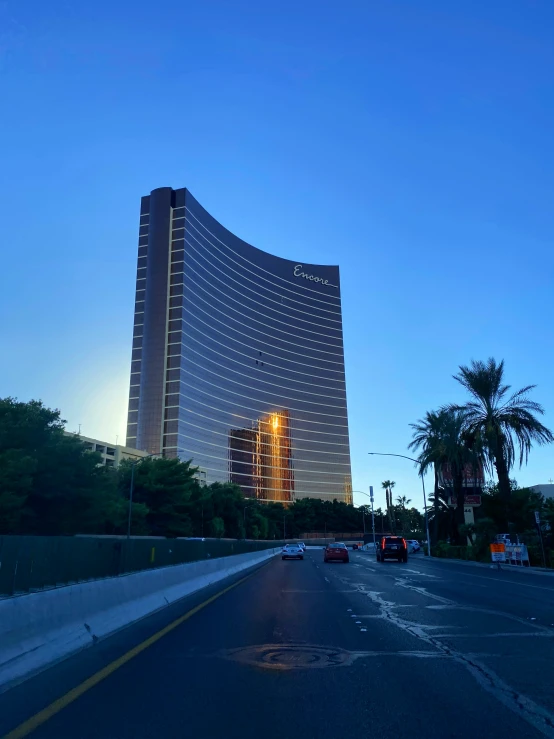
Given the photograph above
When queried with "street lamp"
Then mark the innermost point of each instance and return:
(133, 464)
(403, 456)
(370, 496)
(251, 502)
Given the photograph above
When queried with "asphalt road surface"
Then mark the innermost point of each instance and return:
(424, 649)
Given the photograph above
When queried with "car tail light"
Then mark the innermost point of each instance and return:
(404, 542)
(382, 543)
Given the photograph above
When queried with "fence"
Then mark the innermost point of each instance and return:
(30, 563)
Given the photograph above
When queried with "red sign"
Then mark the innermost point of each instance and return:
(472, 476)
(473, 500)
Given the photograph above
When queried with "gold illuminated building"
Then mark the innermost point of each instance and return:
(261, 458)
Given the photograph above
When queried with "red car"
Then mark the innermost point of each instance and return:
(337, 552)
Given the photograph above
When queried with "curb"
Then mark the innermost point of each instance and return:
(483, 565)
(489, 565)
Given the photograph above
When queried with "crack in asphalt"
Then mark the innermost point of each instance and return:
(524, 707)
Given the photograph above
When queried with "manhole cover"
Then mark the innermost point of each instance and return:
(290, 656)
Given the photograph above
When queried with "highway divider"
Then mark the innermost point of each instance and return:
(29, 563)
(40, 629)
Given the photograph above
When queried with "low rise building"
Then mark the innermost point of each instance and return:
(112, 454)
(546, 490)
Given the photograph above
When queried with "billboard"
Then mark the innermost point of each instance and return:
(469, 500)
(473, 475)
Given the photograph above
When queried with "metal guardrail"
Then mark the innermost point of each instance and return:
(30, 563)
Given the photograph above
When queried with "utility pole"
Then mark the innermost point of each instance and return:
(538, 522)
(372, 513)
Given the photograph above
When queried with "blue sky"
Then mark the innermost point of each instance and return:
(411, 142)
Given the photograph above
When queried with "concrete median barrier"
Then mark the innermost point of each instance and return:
(39, 629)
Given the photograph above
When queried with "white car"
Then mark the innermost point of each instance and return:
(292, 551)
(301, 544)
(414, 545)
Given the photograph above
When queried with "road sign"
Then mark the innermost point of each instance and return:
(537, 518)
(498, 552)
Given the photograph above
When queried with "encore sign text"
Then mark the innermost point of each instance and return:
(298, 273)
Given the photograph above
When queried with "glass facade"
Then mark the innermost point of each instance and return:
(237, 359)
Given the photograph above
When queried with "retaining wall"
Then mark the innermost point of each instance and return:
(39, 629)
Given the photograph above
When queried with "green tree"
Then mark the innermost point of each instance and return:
(504, 423)
(445, 442)
(427, 440)
(256, 523)
(228, 504)
(455, 454)
(217, 527)
(515, 516)
(402, 503)
(165, 487)
(16, 483)
(49, 483)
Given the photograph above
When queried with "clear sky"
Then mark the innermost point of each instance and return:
(409, 141)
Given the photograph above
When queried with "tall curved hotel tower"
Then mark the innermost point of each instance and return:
(237, 359)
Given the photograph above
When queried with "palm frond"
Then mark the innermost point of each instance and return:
(502, 423)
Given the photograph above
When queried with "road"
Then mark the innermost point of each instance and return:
(428, 649)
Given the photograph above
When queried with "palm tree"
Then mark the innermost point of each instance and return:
(458, 450)
(439, 510)
(445, 442)
(501, 422)
(388, 486)
(402, 502)
(427, 439)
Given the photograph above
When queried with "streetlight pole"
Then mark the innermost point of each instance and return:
(372, 513)
(403, 456)
(244, 518)
(370, 496)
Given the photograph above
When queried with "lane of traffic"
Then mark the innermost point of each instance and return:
(470, 614)
(299, 647)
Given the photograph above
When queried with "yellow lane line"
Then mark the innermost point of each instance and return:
(41, 717)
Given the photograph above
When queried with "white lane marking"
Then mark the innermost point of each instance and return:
(327, 580)
(358, 622)
(363, 629)
(423, 574)
(349, 610)
(403, 583)
(366, 566)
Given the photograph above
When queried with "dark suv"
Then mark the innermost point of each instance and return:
(392, 547)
